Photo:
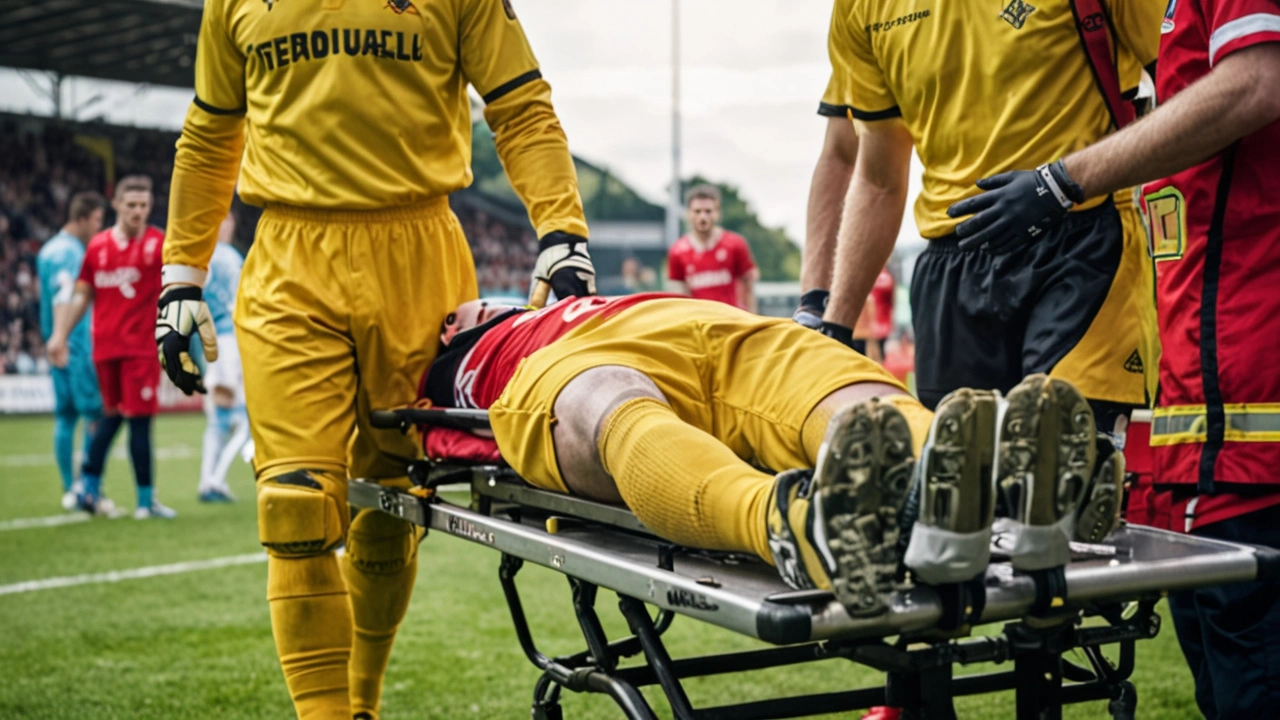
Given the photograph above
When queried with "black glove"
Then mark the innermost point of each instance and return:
(182, 313)
(1018, 207)
(564, 263)
(844, 335)
(812, 305)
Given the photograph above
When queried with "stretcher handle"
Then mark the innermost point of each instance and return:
(459, 418)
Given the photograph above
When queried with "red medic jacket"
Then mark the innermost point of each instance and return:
(1215, 238)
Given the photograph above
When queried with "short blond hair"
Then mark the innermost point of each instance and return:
(703, 192)
(133, 183)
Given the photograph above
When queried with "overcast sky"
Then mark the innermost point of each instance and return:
(753, 72)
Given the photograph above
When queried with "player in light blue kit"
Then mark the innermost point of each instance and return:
(227, 430)
(75, 387)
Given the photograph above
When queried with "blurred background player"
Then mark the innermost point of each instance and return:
(120, 276)
(227, 428)
(352, 148)
(711, 263)
(75, 386)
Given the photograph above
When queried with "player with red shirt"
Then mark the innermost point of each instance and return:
(121, 277)
(711, 263)
(1214, 225)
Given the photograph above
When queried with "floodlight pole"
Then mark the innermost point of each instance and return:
(675, 206)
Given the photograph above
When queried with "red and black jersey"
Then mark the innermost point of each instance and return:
(473, 371)
(1215, 234)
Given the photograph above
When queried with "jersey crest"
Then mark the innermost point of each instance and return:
(400, 7)
(1017, 12)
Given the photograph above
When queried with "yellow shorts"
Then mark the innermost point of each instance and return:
(750, 381)
(339, 313)
(1103, 364)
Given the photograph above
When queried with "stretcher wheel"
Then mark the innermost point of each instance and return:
(1125, 705)
(551, 711)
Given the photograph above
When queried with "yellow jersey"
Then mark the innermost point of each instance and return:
(360, 104)
(982, 86)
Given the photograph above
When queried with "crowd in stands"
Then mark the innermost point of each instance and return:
(504, 252)
(42, 164)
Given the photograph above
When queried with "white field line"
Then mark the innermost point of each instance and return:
(120, 452)
(133, 574)
(47, 521)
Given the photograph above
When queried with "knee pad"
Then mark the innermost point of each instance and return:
(379, 544)
(302, 513)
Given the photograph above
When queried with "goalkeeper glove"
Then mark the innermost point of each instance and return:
(812, 305)
(182, 313)
(1017, 208)
(564, 264)
(843, 335)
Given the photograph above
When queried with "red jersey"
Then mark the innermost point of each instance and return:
(1215, 234)
(713, 273)
(882, 294)
(473, 371)
(125, 276)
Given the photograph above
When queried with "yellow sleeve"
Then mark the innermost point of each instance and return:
(1137, 23)
(207, 162)
(498, 62)
(855, 74)
(835, 101)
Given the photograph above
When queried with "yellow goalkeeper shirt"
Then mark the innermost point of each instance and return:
(359, 104)
(983, 86)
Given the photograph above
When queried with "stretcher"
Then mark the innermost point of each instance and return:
(1111, 593)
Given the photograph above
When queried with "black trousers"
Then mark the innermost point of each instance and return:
(987, 321)
(1230, 634)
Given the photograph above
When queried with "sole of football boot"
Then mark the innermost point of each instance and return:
(951, 537)
(1099, 513)
(862, 478)
(1045, 457)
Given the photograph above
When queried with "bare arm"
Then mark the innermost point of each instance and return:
(872, 218)
(1237, 98)
(66, 316)
(827, 190)
(747, 290)
(677, 287)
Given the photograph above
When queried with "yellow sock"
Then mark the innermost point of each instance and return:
(918, 417)
(681, 482)
(380, 565)
(311, 622)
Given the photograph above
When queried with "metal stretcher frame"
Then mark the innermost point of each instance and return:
(597, 545)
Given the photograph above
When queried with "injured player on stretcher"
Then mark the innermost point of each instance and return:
(723, 430)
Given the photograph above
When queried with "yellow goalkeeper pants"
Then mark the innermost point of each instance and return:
(339, 313)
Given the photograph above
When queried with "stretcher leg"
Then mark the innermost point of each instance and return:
(592, 677)
(656, 653)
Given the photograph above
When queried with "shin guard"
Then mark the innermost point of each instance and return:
(380, 565)
(311, 622)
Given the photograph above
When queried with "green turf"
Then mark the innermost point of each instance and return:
(198, 645)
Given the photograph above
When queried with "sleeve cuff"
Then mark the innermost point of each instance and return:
(826, 109)
(170, 274)
(1241, 33)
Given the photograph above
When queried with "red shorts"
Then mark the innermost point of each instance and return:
(129, 385)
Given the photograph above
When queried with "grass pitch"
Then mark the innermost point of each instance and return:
(198, 644)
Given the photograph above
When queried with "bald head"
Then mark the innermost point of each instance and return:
(470, 314)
